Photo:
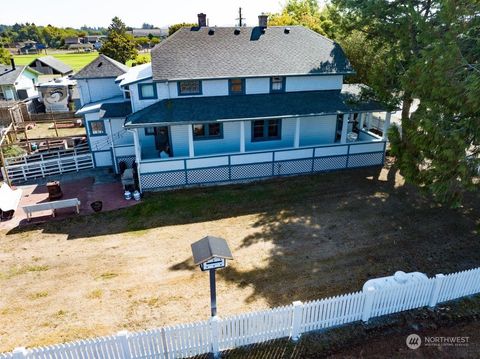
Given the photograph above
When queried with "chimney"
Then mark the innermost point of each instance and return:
(12, 61)
(202, 20)
(263, 20)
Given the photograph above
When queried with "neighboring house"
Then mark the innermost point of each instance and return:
(225, 105)
(17, 82)
(49, 65)
(160, 33)
(29, 47)
(72, 41)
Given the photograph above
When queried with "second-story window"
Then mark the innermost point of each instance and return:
(191, 87)
(147, 91)
(127, 92)
(236, 86)
(207, 131)
(277, 84)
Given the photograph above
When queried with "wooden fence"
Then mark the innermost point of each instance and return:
(218, 334)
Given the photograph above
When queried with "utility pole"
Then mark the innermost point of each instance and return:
(240, 18)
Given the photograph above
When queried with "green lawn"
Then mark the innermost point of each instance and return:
(76, 60)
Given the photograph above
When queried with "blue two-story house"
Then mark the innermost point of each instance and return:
(226, 104)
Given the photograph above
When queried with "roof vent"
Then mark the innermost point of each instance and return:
(287, 30)
(236, 31)
(100, 64)
(211, 31)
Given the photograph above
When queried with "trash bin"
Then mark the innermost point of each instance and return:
(54, 190)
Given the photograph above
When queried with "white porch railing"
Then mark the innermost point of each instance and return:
(248, 166)
(219, 334)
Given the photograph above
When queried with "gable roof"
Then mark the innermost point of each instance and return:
(55, 64)
(102, 67)
(223, 52)
(9, 76)
(252, 107)
(209, 247)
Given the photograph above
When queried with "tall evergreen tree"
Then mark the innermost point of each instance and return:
(119, 45)
(426, 50)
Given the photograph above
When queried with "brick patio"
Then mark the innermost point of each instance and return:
(88, 187)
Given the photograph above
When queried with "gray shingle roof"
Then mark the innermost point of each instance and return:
(289, 104)
(55, 64)
(9, 76)
(116, 109)
(209, 247)
(102, 67)
(194, 53)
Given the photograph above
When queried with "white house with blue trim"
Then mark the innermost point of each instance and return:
(226, 104)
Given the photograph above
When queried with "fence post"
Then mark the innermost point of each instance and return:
(122, 338)
(437, 285)
(367, 308)
(19, 353)
(297, 320)
(215, 334)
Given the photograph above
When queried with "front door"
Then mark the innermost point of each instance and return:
(162, 140)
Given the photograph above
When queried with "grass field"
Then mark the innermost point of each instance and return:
(76, 60)
(292, 239)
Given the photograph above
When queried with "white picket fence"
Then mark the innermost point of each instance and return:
(218, 334)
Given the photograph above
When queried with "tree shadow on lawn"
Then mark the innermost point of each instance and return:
(194, 205)
(331, 243)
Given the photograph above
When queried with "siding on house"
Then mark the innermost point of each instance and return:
(313, 131)
(220, 87)
(317, 130)
(27, 81)
(93, 90)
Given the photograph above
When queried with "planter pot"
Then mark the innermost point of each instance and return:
(97, 206)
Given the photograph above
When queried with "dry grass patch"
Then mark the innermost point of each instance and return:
(95, 294)
(299, 238)
(38, 295)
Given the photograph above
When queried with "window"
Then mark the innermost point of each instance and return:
(277, 84)
(97, 128)
(147, 91)
(189, 88)
(265, 130)
(2, 95)
(127, 92)
(149, 131)
(236, 86)
(207, 131)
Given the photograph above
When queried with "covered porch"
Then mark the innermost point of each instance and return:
(208, 140)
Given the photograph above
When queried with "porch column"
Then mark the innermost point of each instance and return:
(362, 120)
(138, 149)
(369, 120)
(191, 148)
(386, 125)
(296, 141)
(343, 139)
(242, 136)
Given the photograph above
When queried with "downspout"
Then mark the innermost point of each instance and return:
(115, 165)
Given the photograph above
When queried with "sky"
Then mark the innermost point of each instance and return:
(68, 13)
